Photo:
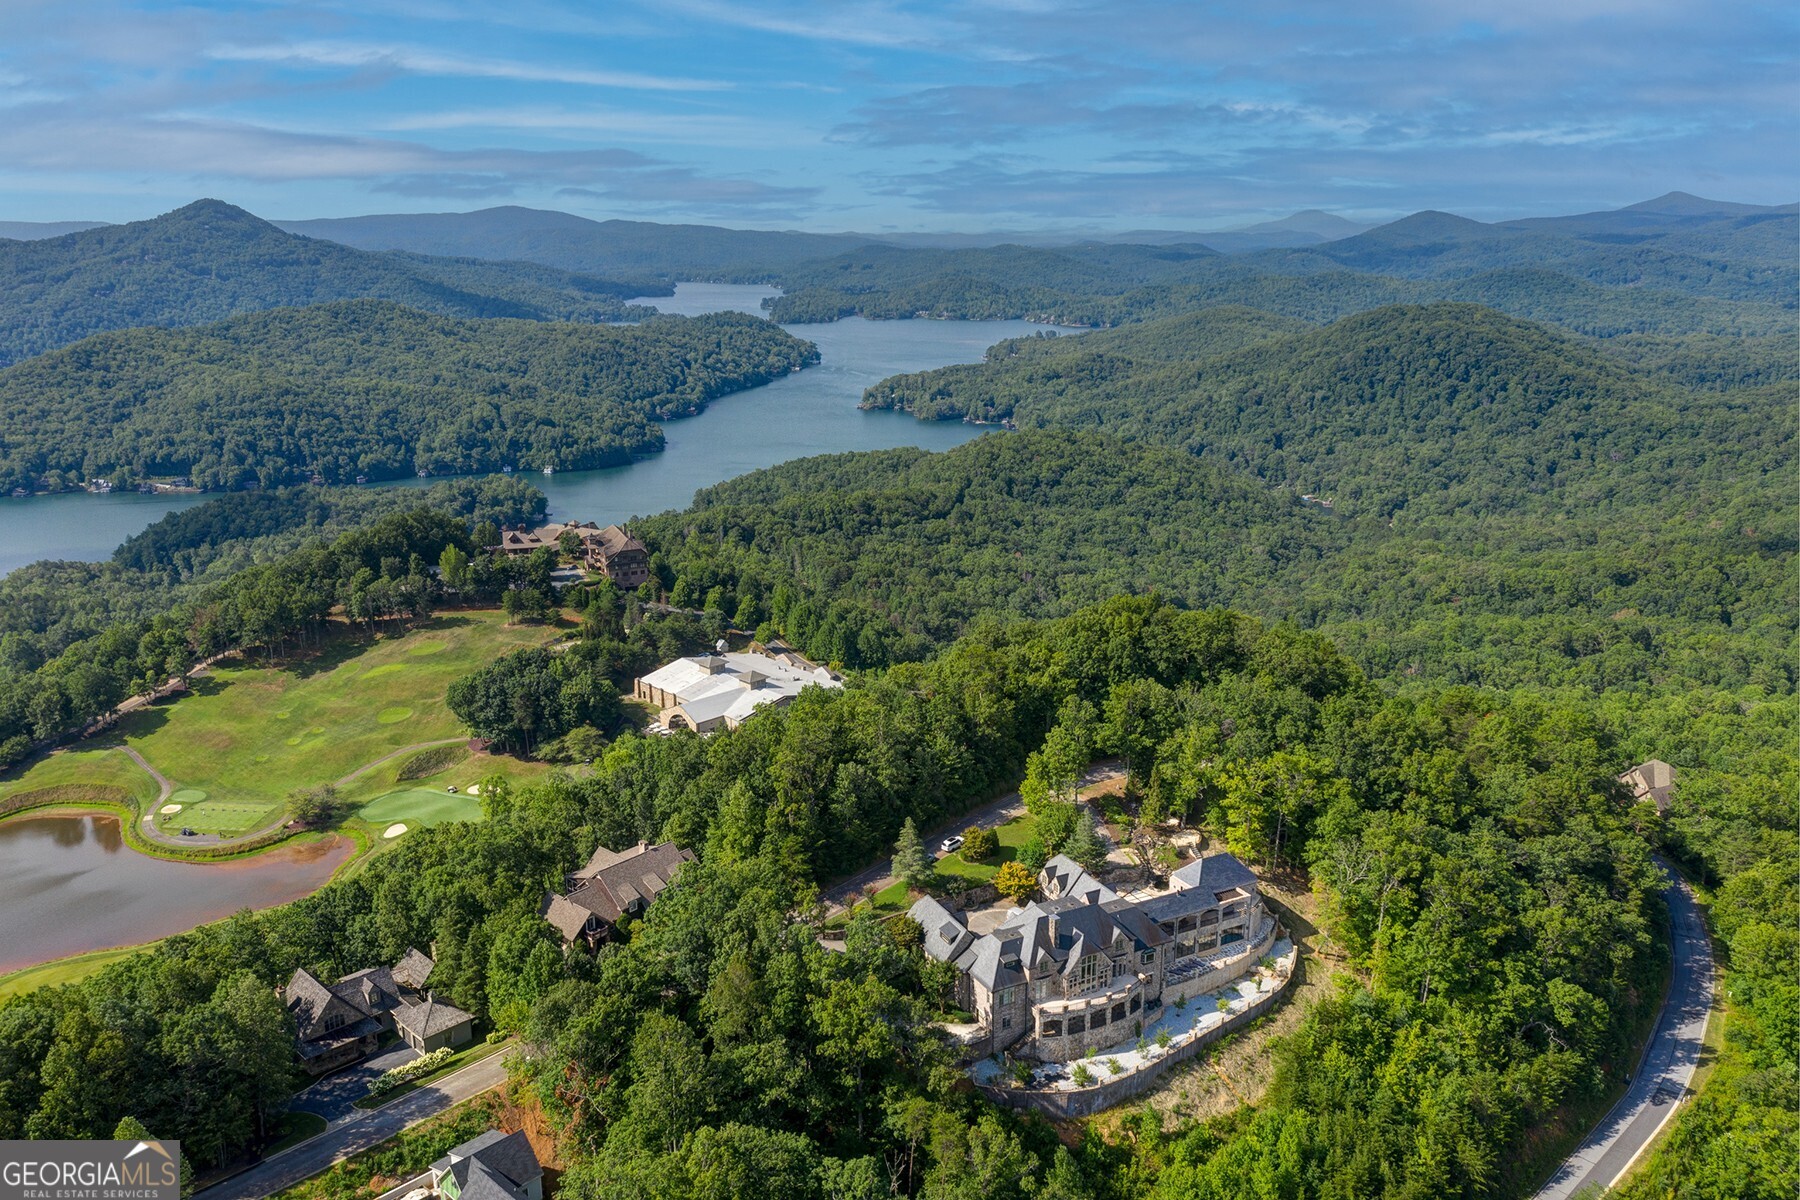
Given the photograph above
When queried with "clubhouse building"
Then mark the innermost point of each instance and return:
(715, 691)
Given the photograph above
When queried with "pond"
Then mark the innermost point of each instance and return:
(69, 884)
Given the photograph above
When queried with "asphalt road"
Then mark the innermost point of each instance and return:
(988, 816)
(359, 1133)
(1666, 1068)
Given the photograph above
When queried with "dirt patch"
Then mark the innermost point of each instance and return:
(1238, 1070)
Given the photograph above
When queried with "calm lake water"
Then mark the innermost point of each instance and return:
(813, 412)
(69, 885)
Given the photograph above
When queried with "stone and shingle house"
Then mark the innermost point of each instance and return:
(491, 1166)
(341, 1023)
(612, 551)
(1083, 968)
(614, 884)
(1654, 781)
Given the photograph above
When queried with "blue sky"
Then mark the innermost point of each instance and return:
(888, 115)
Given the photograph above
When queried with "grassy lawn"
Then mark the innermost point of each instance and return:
(474, 1052)
(296, 1127)
(94, 766)
(64, 970)
(1013, 834)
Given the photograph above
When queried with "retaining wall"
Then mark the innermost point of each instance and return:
(1085, 1102)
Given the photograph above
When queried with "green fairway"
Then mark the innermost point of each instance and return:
(421, 806)
(249, 735)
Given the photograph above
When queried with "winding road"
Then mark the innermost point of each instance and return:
(1667, 1065)
(358, 1133)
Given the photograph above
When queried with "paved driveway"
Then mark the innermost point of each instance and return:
(334, 1097)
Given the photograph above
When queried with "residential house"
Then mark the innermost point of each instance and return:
(614, 884)
(611, 551)
(1654, 781)
(492, 1166)
(1082, 968)
(342, 1023)
(711, 691)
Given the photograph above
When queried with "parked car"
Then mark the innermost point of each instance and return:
(952, 844)
(451, 789)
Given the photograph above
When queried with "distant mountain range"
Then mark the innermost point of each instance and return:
(210, 260)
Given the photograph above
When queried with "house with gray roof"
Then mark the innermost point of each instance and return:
(613, 885)
(1084, 968)
(491, 1166)
(342, 1023)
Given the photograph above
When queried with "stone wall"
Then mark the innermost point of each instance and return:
(1085, 1102)
(1227, 970)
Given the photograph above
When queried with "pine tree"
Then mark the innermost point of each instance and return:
(912, 866)
(1084, 845)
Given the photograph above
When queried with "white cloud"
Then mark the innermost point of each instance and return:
(362, 55)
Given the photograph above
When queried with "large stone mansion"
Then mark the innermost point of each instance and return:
(1084, 969)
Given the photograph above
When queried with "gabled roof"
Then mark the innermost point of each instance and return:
(568, 918)
(615, 540)
(413, 969)
(945, 934)
(372, 990)
(1062, 877)
(506, 1155)
(310, 1001)
(1204, 883)
(430, 1016)
(640, 873)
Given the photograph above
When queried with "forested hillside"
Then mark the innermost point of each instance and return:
(209, 261)
(1402, 413)
(722, 1042)
(368, 388)
(871, 558)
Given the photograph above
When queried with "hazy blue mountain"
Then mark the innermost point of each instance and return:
(210, 260)
(33, 231)
(577, 244)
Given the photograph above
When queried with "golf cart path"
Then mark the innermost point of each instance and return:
(166, 788)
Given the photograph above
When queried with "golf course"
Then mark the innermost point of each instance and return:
(358, 716)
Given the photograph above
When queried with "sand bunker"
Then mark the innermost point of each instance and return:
(474, 789)
(394, 830)
(169, 808)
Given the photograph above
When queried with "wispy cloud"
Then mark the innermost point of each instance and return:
(425, 62)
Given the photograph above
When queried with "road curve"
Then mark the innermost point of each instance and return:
(1667, 1065)
(309, 1158)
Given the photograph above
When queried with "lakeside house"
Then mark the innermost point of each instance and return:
(613, 885)
(706, 692)
(611, 551)
(1083, 968)
(341, 1023)
(490, 1166)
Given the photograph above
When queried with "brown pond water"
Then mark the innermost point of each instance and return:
(69, 884)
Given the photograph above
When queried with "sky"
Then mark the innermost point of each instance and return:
(887, 115)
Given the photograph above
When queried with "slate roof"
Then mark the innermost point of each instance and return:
(507, 1156)
(945, 934)
(1198, 887)
(1062, 876)
(1652, 780)
(429, 1017)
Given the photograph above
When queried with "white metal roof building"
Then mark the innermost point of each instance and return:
(711, 690)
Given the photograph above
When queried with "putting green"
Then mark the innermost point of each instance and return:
(223, 816)
(383, 669)
(427, 648)
(187, 796)
(421, 806)
(394, 715)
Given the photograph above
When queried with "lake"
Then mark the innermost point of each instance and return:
(69, 884)
(813, 412)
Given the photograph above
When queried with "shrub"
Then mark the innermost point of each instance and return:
(421, 1066)
(1081, 1075)
(1015, 882)
(1113, 1067)
(979, 844)
(1163, 1039)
